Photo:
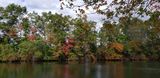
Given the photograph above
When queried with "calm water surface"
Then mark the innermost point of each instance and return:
(106, 70)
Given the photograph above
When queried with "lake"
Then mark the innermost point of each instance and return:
(74, 70)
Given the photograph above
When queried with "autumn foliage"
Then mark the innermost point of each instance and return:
(68, 44)
(31, 37)
(118, 47)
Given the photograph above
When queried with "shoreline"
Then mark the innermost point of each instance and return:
(82, 61)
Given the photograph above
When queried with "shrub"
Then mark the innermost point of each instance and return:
(7, 53)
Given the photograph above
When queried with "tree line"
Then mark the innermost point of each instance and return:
(32, 37)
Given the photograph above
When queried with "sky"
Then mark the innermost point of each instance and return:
(49, 5)
(38, 5)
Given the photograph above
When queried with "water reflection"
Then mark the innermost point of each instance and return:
(107, 70)
(98, 72)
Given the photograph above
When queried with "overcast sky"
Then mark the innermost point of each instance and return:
(38, 5)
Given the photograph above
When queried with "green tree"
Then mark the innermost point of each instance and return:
(12, 12)
(85, 36)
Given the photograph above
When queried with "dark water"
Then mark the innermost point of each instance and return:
(106, 70)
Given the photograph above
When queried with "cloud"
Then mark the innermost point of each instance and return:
(42, 4)
(35, 5)
(4, 3)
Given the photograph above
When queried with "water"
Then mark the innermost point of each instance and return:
(106, 70)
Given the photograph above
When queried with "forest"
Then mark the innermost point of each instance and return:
(51, 36)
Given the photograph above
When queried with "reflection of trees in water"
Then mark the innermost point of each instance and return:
(66, 73)
(118, 70)
(109, 70)
(86, 70)
(90, 70)
(99, 71)
(15, 71)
